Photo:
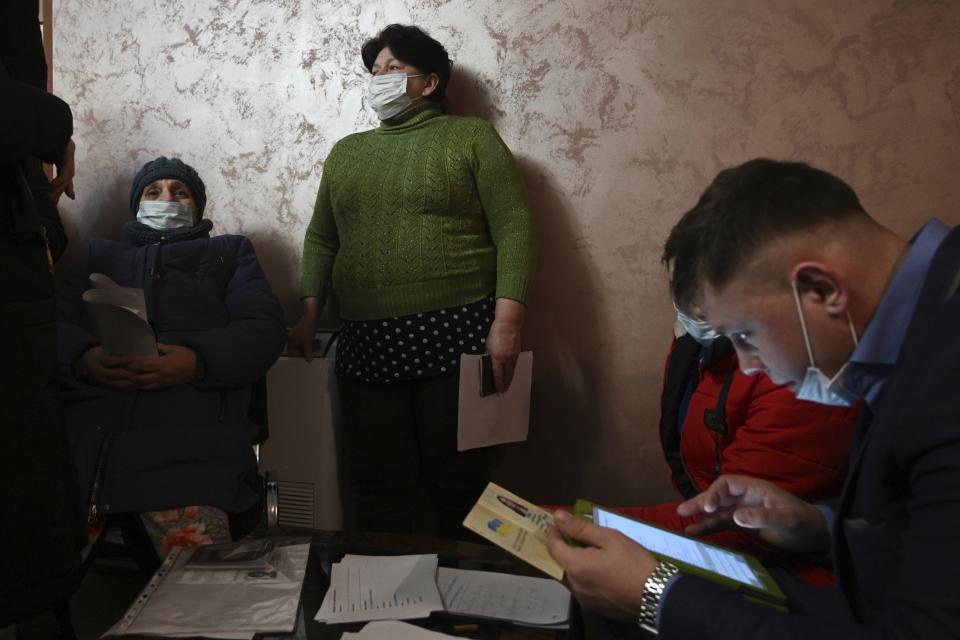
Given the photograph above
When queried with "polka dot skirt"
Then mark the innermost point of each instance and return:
(420, 345)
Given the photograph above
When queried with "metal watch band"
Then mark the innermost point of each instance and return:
(652, 590)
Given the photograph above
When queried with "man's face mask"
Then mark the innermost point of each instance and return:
(387, 94)
(165, 214)
(816, 386)
(699, 330)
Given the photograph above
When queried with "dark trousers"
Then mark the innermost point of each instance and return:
(41, 529)
(400, 440)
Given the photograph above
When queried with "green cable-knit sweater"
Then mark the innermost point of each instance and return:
(425, 212)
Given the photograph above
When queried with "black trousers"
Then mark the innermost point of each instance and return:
(407, 476)
(41, 528)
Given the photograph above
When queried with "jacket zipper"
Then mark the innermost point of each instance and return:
(701, 371)
(93, 510)
(153, 280)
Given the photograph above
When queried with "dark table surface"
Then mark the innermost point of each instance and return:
(330, 546)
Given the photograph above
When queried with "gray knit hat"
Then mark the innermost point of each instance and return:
(170, 168)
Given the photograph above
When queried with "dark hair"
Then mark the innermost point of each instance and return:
(744, 208)
(413, 46)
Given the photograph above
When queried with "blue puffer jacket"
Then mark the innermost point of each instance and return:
(188, 444)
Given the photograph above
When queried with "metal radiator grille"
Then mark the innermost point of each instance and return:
(297, 504)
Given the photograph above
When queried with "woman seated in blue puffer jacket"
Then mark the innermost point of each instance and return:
(169, 437)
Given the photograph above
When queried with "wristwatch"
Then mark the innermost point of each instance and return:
(652, 590)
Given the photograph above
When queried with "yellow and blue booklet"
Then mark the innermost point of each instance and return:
(518, 526)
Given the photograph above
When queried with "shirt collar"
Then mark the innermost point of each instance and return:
(883, 337)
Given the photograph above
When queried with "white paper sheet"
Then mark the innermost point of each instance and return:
(497, 418)
(381, 588)
(393, 630)
(120, 314)
(484, 594)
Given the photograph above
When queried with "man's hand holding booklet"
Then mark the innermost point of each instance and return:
(520, 527)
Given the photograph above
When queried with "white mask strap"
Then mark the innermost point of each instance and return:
(853, 332)
(803, 323)
(393, 76)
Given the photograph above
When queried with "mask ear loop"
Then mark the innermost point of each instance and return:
(803, 322)
(853, 331)
(803, 325)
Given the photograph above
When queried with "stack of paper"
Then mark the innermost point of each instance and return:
(481, 594)
(381, 588)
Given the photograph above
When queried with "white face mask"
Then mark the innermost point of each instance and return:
(699, 330)
(165, 214)
(387, 94)
(816, 386)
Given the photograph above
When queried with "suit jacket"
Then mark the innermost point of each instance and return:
(896, 544)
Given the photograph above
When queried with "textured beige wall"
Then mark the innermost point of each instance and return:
(619, 113)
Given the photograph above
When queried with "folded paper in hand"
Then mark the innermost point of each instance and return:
(498, 418)
(121, 317)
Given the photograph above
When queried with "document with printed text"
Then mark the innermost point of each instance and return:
(501, 596)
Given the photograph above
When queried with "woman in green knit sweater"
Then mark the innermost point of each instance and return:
(421, 228)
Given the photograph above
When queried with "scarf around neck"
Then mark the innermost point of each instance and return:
(140, 234)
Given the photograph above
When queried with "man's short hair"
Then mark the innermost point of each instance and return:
(743, 209)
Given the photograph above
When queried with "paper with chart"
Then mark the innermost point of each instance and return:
(120, 314)
(381, 588)
(501, 596)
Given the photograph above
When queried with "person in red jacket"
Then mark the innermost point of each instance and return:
(716, 419)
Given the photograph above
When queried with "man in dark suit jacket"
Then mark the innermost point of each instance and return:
(783, 259)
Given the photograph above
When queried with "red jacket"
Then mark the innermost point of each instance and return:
(800, 446)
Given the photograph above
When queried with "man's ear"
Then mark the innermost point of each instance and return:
(824, 285)
(433, 81)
